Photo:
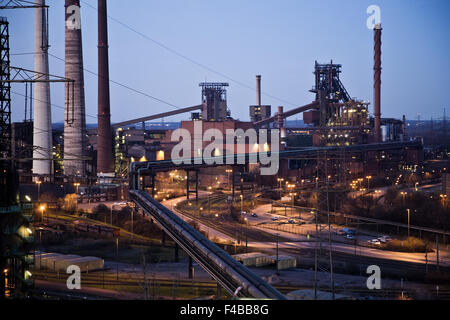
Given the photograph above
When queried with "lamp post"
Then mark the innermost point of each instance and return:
(39, 189)
(117, 257)
(228, 171)
(42, 208)
(276, 262)
(76, 184)
(403, 194)
(112, 205)
(368, 183)
(242, 204)
(209, 203)
(444, 199)
(280, 180)
(409, 219)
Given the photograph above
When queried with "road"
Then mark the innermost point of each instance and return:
(301, 241)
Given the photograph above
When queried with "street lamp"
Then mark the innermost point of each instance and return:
(403, 194)
(444, 199)
(368, 183)
(39, 188)
(242, 204)
(409, 214)
(228, 171)
(276, 262)
(280, 180)
(42, 208)
(76, 184)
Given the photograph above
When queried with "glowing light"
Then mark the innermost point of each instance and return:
(160, 155)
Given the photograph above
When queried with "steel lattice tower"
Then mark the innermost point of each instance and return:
(6, 164)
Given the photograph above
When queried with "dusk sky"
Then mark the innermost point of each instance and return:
(278, 39)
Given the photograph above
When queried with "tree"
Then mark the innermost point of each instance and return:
(70, 203)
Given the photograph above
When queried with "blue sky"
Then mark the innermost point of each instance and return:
(241, 38)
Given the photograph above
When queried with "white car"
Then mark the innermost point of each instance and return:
(374, 241)
(385, 239)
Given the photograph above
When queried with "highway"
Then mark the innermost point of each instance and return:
(301, 242)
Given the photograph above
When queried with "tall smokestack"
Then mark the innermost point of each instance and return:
(258, 90)
(104, 138)
(404, 124)
(280, 117)
(377, 81)
(42, 128)
(75, 127)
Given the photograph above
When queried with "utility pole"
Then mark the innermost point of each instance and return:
(437, 252)
(144, 266)
(132, 227)
(315, 260)
(276, 262)
(330, 250)
(117, 257)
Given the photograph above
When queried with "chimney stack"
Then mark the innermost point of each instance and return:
(404, 125)
(377, 81)
(75, 125)
(104, 134)
(258, 90)
(42, 127)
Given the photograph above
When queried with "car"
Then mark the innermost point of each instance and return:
(374, 241)
(350, 237)
(291, 221)
(384, 239)
(254, 215)
(274, 218)
(348, 231)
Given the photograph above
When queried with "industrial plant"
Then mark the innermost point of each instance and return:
(351, 189)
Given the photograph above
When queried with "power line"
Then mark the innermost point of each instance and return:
(189, 59)
(123, 85)
(110, 80)
(51, 104)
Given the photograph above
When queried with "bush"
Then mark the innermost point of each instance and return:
(410, 244)
(70, 203)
